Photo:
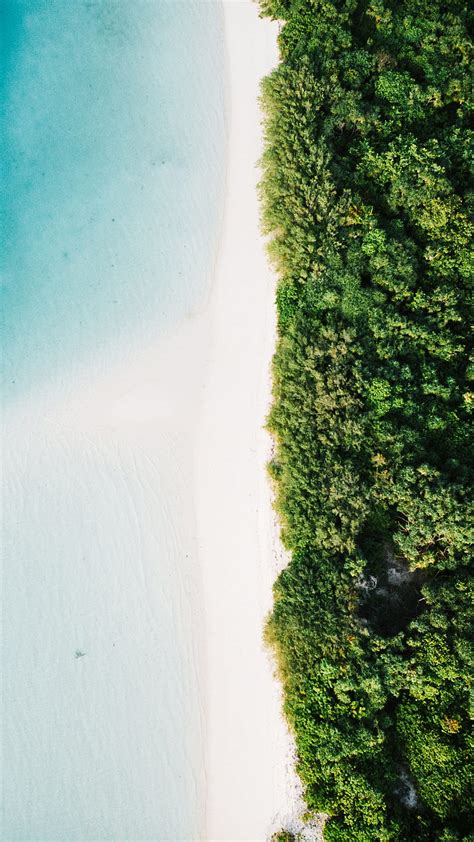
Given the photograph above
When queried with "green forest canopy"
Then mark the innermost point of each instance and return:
(367, 199)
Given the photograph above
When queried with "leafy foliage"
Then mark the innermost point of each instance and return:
(366, 197)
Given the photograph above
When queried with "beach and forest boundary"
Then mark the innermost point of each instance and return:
(366, 200)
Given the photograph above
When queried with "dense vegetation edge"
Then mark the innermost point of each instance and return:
(367, 197)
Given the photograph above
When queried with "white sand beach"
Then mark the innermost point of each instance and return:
(249, 780)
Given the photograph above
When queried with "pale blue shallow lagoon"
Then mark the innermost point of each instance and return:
(113, 159)
(113, 152)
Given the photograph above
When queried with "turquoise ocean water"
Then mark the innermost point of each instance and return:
(113, 166)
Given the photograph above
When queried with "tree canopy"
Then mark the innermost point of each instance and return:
(366, 196)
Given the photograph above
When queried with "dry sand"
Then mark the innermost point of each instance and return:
(251, 789)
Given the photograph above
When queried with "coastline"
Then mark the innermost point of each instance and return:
(206, 388)
(252, 789)
(191, 407)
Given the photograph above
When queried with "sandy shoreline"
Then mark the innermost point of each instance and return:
(167, 449)
(250, 788)
(199, 398)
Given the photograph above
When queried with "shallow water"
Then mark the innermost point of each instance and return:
(113, 168)
(113, 157)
